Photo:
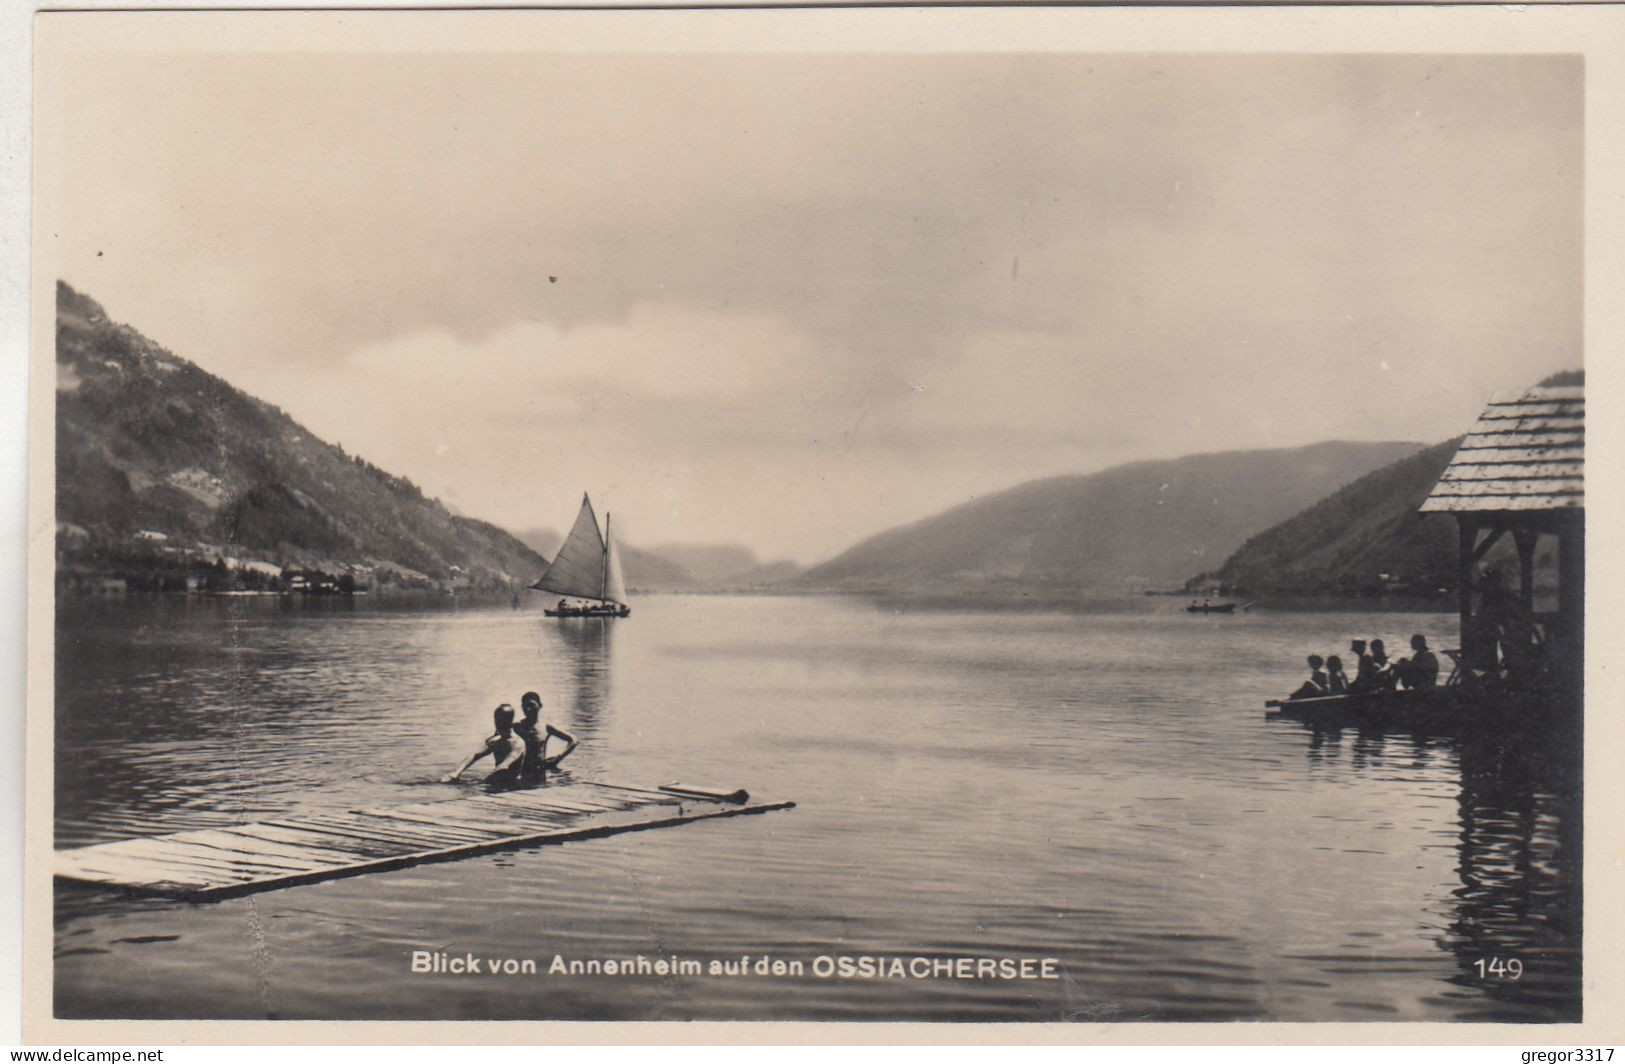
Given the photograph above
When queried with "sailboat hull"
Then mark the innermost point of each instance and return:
(606, 610)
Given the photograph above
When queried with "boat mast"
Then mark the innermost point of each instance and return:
(603, 575)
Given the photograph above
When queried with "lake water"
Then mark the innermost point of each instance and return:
(1095, 786)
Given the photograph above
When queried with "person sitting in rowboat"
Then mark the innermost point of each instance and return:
(1365, 669)
(1420, 671)
(1337, 682)
(535, 735)
(1317, 685)
(1383, 677)
(506, 749)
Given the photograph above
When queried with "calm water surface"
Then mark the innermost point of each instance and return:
(1099, 787)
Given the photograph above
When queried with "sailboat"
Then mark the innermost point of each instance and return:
(586, 567)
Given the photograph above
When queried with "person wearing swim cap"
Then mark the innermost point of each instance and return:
(505, 748)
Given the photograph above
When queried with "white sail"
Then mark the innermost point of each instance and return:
(578, 569)
(614, 582)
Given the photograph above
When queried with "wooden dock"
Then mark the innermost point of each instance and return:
(270, 854)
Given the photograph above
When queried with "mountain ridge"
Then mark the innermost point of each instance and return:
(1144, 524)
(1369, 537)
(643, 570)
(1366, 536)
(167, 473)
(163, 466)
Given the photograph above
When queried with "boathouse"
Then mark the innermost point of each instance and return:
(1521, 470)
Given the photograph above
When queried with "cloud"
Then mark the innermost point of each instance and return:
(793, 299)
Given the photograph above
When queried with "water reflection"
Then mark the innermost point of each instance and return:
(1520, 871)
(183, 713)
(1518, 838)
(584, 645)
(1050, 785)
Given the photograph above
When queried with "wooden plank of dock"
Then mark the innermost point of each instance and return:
(287, 851)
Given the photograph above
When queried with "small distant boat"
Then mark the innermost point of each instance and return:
(1211, 607)
(587, 567)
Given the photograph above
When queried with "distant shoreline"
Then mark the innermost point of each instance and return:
(1046, 599)
(1003, 601)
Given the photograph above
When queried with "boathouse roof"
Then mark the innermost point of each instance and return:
(1526, 452)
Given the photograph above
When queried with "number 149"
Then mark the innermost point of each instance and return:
(1511, 968)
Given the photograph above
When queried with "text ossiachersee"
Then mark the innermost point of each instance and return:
(823, 966)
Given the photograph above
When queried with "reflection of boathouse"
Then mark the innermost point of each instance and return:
(1521, 471)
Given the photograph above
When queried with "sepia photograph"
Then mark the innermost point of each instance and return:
(561, 516)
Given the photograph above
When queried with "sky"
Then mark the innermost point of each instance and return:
(789, 301)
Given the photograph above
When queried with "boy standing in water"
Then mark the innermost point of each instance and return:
(505, 748)
(535, 735)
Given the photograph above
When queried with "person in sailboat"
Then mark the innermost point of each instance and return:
(505, 748)
(535, 735)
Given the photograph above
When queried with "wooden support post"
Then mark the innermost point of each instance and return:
(1571, 579)
(1466, 530)
(1526, 538)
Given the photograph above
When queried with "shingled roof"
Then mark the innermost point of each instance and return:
(1527, 452)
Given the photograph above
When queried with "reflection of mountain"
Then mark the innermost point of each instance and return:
(1518, 857)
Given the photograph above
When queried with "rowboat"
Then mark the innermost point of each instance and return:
(1410, 706)
(1220, 607)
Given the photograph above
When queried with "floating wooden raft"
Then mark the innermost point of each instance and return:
(270, 854)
